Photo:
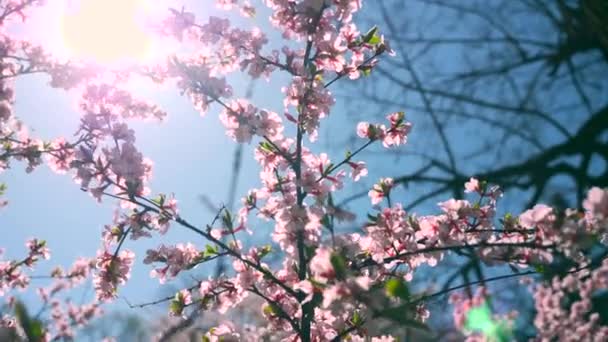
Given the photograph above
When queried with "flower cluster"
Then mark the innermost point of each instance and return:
(12, 274)
(394, 135)
(112, 270)
(565, 309)
(177, 259)
(65, 315)
(243, 121)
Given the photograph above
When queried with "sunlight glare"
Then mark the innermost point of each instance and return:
(106, 31)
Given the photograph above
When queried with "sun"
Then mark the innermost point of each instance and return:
(106, 31)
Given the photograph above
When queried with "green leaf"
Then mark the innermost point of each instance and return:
(366, 71)
(33, 328)
(176, 307)
(160, 200)
(36, 331)
(266, 146)
(483, 185)
(374, 40)
(227, 219)
(397, 288)
(265, 251)
(339, 264)
(540, 268)
(210, 251)
(371, 37)
(325, 221)
(357, 319)
(270, 310)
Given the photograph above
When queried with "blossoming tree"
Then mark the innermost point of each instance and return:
(329, 285)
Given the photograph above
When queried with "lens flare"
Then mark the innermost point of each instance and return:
(106, 31)
(479, 319)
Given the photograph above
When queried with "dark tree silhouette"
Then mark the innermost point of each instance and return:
(524, 81)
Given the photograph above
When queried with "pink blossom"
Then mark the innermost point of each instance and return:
(321, 265)
(239, 119)
(397, 133)
(128, 163)
(111, 272)
(556, 321)
(37, 248)
(358, 170)
(596, 203)
(472, 185)
(540, 215)
(380, 190)
(176, 259)
(62, 155)
(225, 332)
(179, 22)
(369, 131)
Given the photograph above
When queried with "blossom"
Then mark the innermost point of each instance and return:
(399, 129)
(111, 272)
(394, 135)
(37, 248)
(128, 163)
(239, 120)
(321, 265)
(314, 103)
(358, 170)
(540, 214)
(558, 319)
(381, 190)
(62, 155)
(292, 220)
(371, 132)
(472, 185)
(225, 332)
(176, 259)
(182, 299)
(179, 22)
(455, 209)
(596, 203)
(242, 121)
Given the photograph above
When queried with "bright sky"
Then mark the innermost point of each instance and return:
(106, 30)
